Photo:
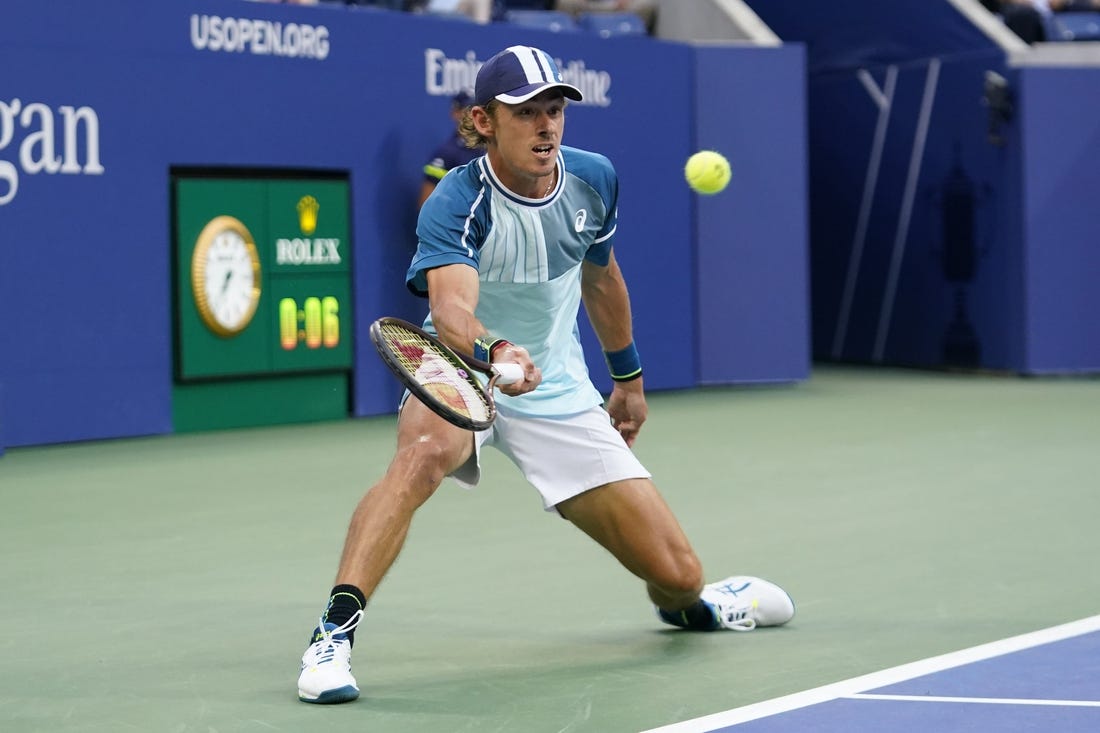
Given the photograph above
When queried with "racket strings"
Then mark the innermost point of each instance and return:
(439, 376)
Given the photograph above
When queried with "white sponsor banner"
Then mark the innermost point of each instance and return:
(260, 37)
(444, 76)
(36, 139)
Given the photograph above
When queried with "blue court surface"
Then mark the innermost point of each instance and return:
(1047, 680)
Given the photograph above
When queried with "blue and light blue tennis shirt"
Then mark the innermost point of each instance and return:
(528, 255)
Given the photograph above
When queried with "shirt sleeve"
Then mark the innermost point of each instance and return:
(606, 182)
(448, 231)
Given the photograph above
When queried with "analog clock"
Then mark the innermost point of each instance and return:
(225, 276)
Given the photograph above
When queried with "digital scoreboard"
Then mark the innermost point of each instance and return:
(262, 276)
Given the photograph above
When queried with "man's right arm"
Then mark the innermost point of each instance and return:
(452, 296)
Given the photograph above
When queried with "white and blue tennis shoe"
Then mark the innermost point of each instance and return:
(742, 602)
(326, 666)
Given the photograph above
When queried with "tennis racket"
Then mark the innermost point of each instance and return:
(440, 377)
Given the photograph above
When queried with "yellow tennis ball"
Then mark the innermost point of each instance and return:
(707, 172)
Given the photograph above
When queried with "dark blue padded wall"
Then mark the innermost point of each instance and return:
(912, 254)
(933, 242)
(845, 34)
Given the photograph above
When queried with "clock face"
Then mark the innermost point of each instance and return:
(225, 276)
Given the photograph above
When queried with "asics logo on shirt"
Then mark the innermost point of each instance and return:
(578, 221)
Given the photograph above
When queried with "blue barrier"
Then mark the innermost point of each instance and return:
(1060, 261)
(759, 224)
(607, 25)
(546, 20)
(1074, 26)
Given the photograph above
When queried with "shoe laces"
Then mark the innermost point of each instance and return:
(736, 616)
(732, 611)
(324, 649)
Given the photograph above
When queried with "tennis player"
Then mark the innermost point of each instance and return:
(509, 246)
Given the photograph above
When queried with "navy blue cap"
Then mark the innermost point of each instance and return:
(462, 99)
(518, 73)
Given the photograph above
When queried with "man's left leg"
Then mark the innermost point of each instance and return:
(633, 522)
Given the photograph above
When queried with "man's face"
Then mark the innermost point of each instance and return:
(525, 141)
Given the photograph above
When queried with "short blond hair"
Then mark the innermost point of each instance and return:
(468, 131)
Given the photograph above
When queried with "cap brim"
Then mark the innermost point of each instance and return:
(524, 93)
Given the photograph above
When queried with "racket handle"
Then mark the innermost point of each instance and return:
(508, 372)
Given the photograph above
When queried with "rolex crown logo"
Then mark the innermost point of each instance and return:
(307, 214)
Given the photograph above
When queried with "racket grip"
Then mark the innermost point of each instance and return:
(508, 372)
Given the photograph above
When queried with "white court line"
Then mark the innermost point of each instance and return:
(979, 700)
(885, 677)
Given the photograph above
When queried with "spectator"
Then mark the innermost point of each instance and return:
(451, 153)
(1022, 17)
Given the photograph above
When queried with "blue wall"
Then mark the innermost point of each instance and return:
(1059, 127)
(754, 328)
(85, 272)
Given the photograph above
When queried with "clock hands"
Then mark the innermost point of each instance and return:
(225, 265)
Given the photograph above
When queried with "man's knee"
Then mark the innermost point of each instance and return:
(678, 574)
(420, 467)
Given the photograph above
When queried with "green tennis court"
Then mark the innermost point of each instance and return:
(170, 583)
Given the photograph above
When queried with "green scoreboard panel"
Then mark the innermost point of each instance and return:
(263, 277)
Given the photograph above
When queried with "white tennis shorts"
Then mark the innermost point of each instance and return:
(561, 457)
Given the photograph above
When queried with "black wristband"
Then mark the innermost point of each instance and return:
(484, 345)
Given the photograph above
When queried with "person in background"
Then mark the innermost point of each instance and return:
(509, 248)
(451, 153)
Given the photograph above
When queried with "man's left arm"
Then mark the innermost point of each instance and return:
(607, 303)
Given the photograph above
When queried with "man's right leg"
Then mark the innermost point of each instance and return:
(428, 448)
